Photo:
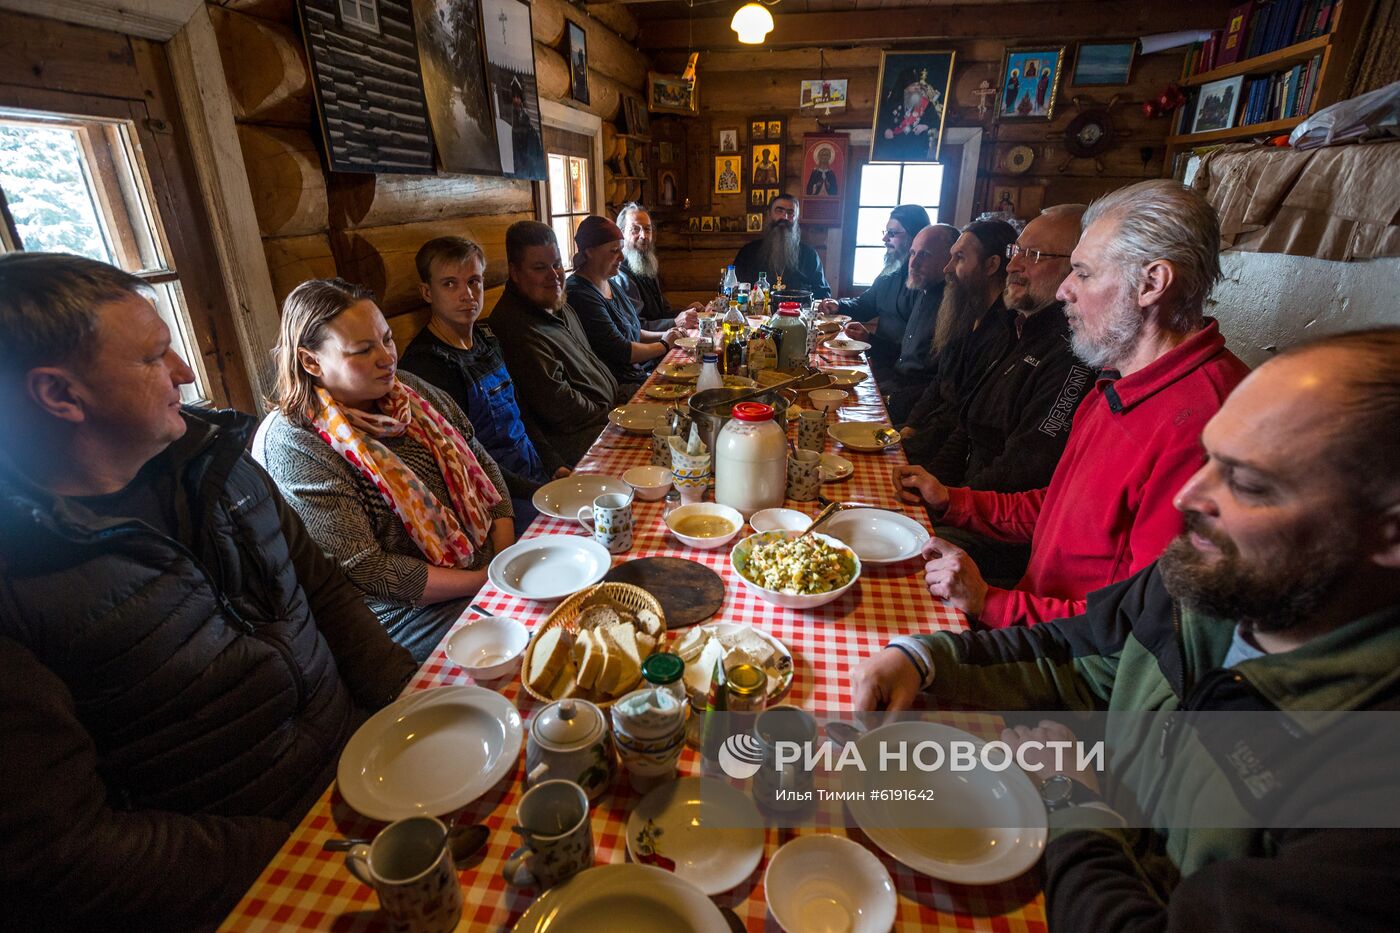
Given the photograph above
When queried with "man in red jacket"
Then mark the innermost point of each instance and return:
(1134, 299)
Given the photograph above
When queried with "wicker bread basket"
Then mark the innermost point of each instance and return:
(625, 595)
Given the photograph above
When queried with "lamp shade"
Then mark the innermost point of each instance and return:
(752, 22)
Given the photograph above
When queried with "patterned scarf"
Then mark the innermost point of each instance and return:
(448, 537)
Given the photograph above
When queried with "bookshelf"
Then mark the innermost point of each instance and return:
(1335, 49)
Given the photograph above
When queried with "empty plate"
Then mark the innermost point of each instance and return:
(845, 378)
(834, 468)
(638, 419)
(429, 753)
(609, 898)
(860, 435)
(878, 536)
(712, 832)
(562, 498)
(549, 567)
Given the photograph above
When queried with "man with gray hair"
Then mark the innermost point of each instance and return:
(639, 277)
(1134, 298)
(182, 662)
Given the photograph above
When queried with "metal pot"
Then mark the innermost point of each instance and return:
(802, 296)
(711, 409)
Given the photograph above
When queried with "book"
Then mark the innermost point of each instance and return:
(1236, 23)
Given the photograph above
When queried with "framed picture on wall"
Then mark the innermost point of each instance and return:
(765, 164)
(727, 169)
(823, 177)
(910, 99)
(729, 140)
(1029, 79)
(515, 101)
(755, 223)
(1217, 105)
(669, 94)
(578, 62)
(758, 130)
(1104, 64)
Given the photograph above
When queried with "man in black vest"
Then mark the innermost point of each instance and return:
(182, 663)
(639, 276)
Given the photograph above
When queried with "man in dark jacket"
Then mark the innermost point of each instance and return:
(460, 355)
(916, 364)
(781, 253)
(182, 663)
(639, 277)
(1282, 596)
(560, 382)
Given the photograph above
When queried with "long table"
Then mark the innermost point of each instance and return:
(304, 887)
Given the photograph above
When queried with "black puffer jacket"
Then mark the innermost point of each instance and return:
(168, 712)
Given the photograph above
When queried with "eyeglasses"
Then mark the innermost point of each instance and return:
(1033, 256)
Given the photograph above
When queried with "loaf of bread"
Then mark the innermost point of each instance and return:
(551, 654)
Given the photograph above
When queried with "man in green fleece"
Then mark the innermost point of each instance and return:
(1282, 595)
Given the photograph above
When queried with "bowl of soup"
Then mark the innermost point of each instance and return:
(705, 524)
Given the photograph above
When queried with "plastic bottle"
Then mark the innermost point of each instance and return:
(751, 460)
(792, 342)
(730, 283)
(709, 373)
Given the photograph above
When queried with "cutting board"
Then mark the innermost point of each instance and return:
(688, 591)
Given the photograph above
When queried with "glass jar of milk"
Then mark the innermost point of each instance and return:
(751, 460)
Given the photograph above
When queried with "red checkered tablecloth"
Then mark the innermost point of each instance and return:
(306, 888)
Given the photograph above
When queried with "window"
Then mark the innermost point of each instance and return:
(568, 198)
(883, 187)
(361, 13)
(74, 185)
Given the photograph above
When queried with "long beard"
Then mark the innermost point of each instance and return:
(641, 262)
(893, 260)
(780, 250)
(1110, 348)
(957, 312)
(1272, 596)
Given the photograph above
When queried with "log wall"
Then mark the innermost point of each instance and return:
(367, 228)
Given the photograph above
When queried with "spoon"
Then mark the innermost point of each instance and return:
(463, 841)
(822, 516)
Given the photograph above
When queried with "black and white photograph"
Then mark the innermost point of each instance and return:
(369, 89)
(578, 63)
(510, 71)
(454, 82)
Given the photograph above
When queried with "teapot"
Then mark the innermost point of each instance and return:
(570, 739)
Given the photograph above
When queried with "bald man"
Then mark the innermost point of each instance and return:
(917, 365)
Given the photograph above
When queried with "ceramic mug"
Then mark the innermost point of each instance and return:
(411, 869)
(661, 446)
(811, 429)
(804, 470)
(553, 819)
(787, 786)
(610, 520)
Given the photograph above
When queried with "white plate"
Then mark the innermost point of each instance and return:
(429, 753)
(846, 345)
(777, 686)
(549, 567)
(681, 372)
(610, 898)
(562, 498)
(638, 419)
(779, 520)
(834, 468)
(878, 536)
(687, 343)
(823, 882)
(668, 391)
(1000, 800)
(712, 832)
(834, 318)
(845, 378)
(859, 435)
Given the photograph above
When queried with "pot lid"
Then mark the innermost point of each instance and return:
(568, 723)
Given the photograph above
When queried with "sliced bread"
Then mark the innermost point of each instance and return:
(622, 642)
(591, 666)
(550, 653)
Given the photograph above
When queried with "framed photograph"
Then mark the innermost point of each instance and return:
(729, 140)
(775, 130)
(669, 94)
(666, 152)
(755, 223)
(635, 116)
(454, 83)
(515, 101)
(1105, 64)
(1029, 78)
(825, 95)
(707, 223)
(727, 169)
(1217, 105)
(391, 133)
(823, 177)
(578, 62)
(911, 97)
(667, 186)
(758, 130)
(765, 164)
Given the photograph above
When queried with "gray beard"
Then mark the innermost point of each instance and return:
(1117, 341)
(780, 251)
(641, 262)
(957, 313)
(893, 260)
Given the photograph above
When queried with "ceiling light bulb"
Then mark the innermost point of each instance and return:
(752, 22)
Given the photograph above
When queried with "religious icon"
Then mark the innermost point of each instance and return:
(910, 106)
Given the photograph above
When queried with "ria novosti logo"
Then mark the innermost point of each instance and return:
(741, 756)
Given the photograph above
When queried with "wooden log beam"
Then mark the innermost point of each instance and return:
(360, 200)
(281, 11)
(284, 173)
(269, 80)
(616, 17)
(1007, 21)
(552, 77)
(292, 260)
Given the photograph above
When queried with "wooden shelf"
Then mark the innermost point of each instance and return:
(1276, 60)
(645, 139)
(630, 177)
(1269, 128)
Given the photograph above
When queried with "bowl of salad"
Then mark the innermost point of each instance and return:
(795, 572)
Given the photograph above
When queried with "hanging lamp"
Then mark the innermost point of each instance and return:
(752, 22)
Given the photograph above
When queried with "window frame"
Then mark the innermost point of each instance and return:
(856, 244)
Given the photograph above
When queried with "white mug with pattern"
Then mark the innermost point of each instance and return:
(410, 867)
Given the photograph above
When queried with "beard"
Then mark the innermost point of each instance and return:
(641, 262)
(1267, 596)
(893, 260)
(1027, 301)
(1112, 346)
(957, 312)
(780, 248)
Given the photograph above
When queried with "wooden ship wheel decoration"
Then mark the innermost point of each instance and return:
(1091, 133)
